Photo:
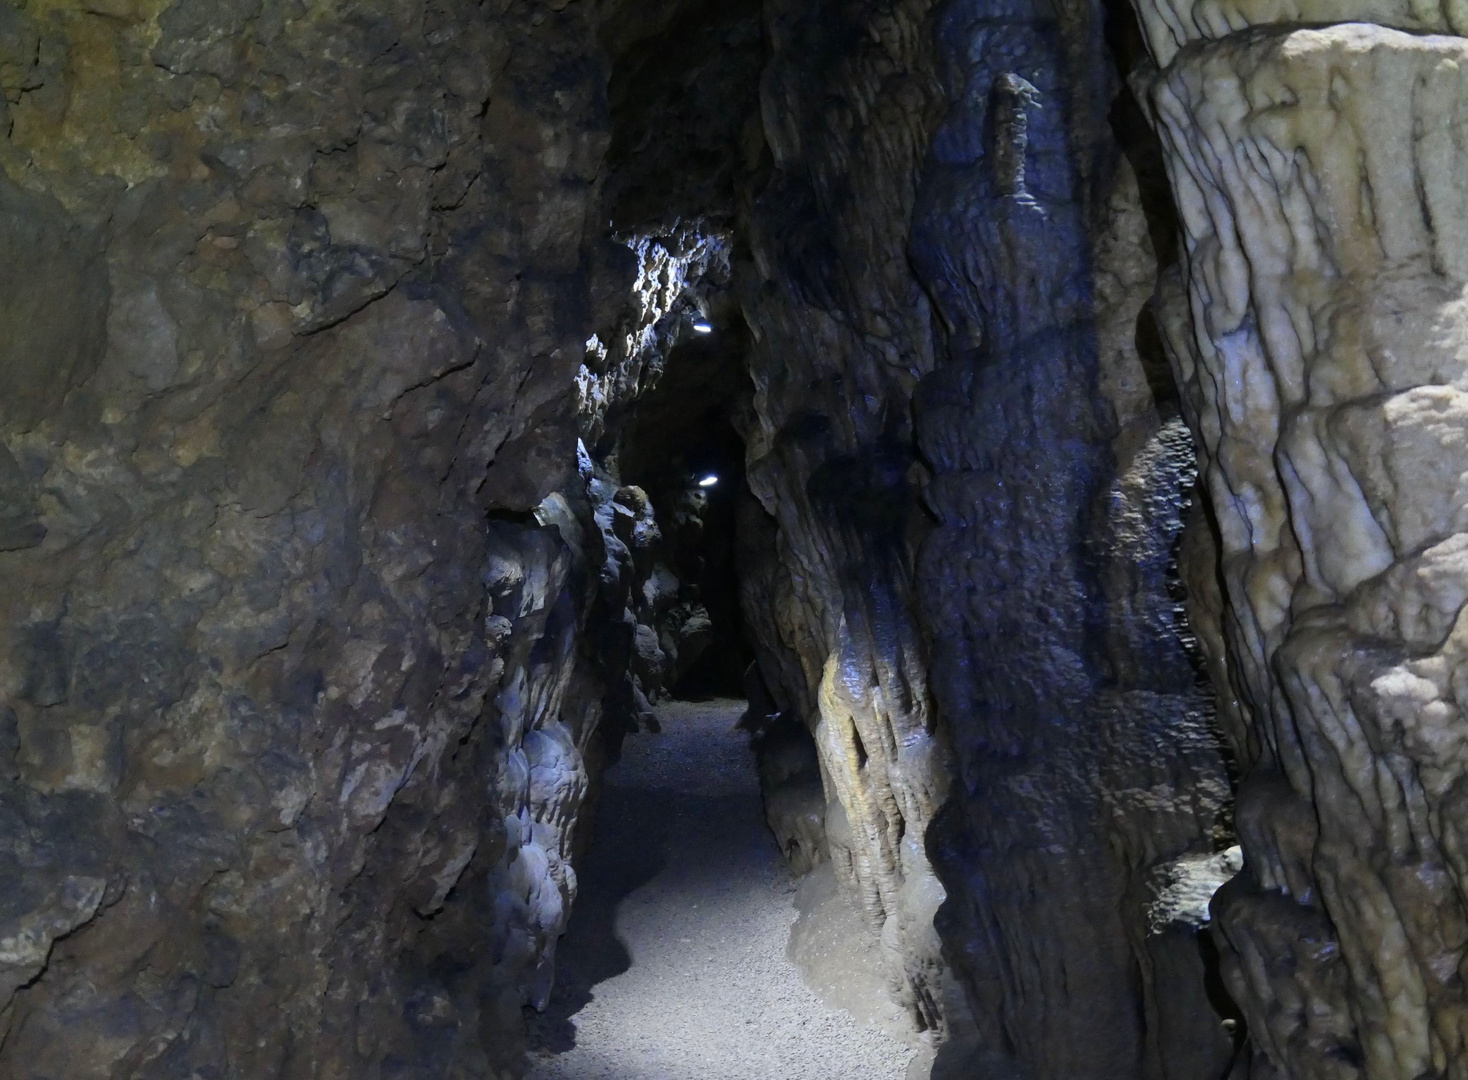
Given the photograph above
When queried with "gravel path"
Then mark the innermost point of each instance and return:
(674, 966)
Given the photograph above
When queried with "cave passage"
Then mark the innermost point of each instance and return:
(664, 539)
(674, 964)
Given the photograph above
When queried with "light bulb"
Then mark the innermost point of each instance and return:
(702, 326)
(708, 481)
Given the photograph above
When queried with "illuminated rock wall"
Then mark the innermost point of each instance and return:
(971, 500)
(1317, 328)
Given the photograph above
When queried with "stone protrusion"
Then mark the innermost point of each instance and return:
(1318, 332)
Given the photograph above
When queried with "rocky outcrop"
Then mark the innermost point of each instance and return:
(1317, 335)
(314, 630)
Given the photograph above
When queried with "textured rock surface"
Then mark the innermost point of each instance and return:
(1086, 750)
(1317, 331)
(949, 261)
(348, 514)
(311, 610)
(840, 337)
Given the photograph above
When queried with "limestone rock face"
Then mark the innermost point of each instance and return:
(308, 625)
(1318, 335)
(1084, 744)
(840, 338)
(959, 574)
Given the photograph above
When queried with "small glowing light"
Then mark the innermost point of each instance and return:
(708, 481)
(703, 326)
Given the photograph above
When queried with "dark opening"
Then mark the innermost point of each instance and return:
(682, 449)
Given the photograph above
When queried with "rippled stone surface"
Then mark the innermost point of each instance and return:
(1317, 331)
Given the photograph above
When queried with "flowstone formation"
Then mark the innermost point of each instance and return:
(971, 495)
(316, 624)
(1089, 765)
(840, 337)
(1318, 326)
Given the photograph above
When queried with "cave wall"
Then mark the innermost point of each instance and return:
(961, 577)
(840, 337)
(1085, 744)
(315, 626)
(1315, 321)
(326, 598)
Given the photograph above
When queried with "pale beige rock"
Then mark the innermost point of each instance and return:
(1318, 333)
(1170, 26)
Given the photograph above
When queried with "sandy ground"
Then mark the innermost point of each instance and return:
(675, 965)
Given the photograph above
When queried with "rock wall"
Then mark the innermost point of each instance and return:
(970, 506)
(1316, 326)
(1085, 745)
(312, 610)
(326, 597)
(840, 337)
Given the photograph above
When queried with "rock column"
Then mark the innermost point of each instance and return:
(1318, 330)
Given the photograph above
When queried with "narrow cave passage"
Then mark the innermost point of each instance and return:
(674, 965)
(709, 936)
(428, 426)
(847, 376)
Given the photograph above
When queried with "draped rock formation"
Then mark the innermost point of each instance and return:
(971, 500)
(840, 338)
(1317, 331)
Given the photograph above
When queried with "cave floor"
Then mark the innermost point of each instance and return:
(674, 966)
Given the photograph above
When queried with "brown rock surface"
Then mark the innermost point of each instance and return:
(308, 624)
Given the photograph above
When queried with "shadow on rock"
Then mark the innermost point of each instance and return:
(965, 1059)
(630, 849)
